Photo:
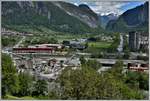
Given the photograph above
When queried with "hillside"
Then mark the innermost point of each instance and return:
(133, 19)
(51, 15)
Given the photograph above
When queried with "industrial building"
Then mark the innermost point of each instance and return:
(55, 46)
(33, 50)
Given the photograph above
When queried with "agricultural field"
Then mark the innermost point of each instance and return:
(53, 38)
(103, 45)
(97, 47)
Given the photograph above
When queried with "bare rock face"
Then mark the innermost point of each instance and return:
(81, 12)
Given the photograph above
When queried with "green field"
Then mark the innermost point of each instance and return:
(96, 47)
(60, 37)
(99, 44)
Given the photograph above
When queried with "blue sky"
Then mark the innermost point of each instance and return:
(131, 4)
(107, 7)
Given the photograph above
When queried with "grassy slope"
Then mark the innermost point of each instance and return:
(10, 97)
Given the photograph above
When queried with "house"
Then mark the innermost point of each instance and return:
(138, 67)
(77, 46)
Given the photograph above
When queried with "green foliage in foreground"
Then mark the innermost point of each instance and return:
(90, 63)
(86, 83)
(20, 84)
(10, 81)
(137, 80)
(25, 84)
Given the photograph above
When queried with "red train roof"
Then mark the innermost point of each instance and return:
(32, 48)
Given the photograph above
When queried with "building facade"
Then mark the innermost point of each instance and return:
(134, 41)
(144, 41)
(138, 41)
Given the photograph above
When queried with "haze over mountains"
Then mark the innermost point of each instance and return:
(66, 17)
(104, 19)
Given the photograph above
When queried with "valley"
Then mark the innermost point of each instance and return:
(60, 50)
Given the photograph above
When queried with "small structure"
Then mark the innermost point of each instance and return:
(52, 62)
(138, 67)
(77, 46)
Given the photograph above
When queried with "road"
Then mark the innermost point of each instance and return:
(113, 61)
(120, 47)
(103, 61)
(18, 44)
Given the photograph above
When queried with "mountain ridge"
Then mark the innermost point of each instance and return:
(56, 15)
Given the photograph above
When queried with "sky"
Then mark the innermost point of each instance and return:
(107, 7)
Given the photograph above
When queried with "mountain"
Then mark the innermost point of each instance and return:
(104, 19)
(134, 19)
(55, 15)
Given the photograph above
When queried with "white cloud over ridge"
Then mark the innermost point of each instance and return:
(108, 7)
(105, 8)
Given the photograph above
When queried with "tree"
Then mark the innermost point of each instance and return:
(25, 84)
(92, 39)
(61, 63)
(82, 60)
(53, 96)
(86, 83)
(10, 82)
(137, 80)
(79, 84)
(93, 64)
(5, 42)
(127, 54)
(40, 88)
(117, 70)
(67, 43)
(86, 45)
(115, 43)
(112, 88)
(144, 81)
(52, 40)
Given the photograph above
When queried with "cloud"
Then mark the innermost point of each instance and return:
(76, 4)
(105, 8)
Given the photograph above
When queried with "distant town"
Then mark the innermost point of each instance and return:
(48, 60)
